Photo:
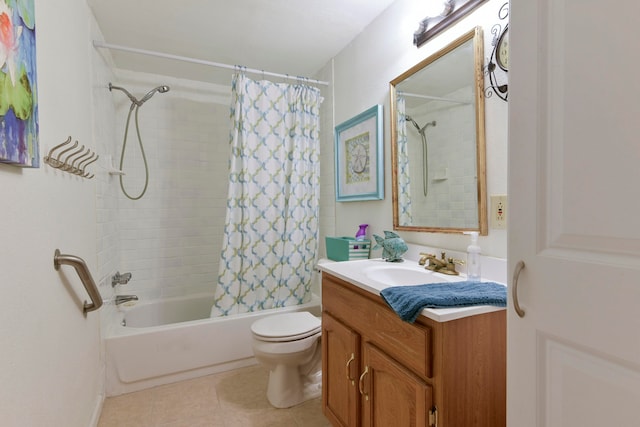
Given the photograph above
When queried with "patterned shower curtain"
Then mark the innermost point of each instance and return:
(271, 230)
(404, 181)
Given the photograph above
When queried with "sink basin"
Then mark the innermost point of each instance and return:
(396, 275)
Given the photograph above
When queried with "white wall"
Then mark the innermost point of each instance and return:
(50, 364)
(361, 77)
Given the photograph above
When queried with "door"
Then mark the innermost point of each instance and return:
(391, 395)
(340, 370)
(574, 178)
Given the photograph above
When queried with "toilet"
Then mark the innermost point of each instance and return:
(289, 345)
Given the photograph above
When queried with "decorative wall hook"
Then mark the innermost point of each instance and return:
(75, 163)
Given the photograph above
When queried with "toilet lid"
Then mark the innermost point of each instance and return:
(286, 327)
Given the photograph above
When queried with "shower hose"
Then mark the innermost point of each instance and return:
(144, 157)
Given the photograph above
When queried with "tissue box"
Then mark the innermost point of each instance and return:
(344, 248)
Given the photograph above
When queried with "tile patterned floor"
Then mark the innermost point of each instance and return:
(229, 399)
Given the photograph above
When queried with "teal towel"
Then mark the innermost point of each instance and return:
(408, 301)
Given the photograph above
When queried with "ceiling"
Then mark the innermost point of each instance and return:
(295, 37)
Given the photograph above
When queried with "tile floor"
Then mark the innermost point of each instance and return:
(229, 399)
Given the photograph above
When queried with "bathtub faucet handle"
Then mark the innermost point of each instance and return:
(120, 279)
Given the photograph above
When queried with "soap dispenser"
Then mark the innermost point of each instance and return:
(473, 258)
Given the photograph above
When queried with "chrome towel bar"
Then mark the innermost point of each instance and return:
(85, 276)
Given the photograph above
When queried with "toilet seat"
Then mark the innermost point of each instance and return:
(286, 327)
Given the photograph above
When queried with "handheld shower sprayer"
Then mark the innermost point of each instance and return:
(425, 151)
(135, 105)
(161, 89)
(417, 126)
(134, 100)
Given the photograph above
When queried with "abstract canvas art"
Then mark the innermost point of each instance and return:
(18, 86)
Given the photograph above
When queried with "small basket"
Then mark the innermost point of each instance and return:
(347, 248)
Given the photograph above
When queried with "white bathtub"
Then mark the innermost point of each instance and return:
(174, 339)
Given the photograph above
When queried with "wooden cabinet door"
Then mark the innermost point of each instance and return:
(392, 395)
(340, 371)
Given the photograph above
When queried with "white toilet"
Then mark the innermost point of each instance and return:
(289, 345)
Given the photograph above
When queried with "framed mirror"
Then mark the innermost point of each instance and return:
(438, 141)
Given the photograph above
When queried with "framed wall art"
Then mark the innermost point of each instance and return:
(18, 87)
(359, 157)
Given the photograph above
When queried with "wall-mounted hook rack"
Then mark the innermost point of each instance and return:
(76, 162)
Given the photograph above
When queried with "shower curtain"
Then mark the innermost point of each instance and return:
(271, 229)
(404, 178)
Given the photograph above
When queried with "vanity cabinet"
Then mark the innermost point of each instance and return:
(380, 371)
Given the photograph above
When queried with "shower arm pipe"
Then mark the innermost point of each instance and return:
(100, 44)
(434, 98)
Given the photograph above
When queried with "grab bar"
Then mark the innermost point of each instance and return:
(85, 276)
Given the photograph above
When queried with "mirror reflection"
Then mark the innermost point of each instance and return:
(437, 141)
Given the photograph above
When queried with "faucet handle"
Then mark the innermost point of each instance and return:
(120, 279)
(451, 266)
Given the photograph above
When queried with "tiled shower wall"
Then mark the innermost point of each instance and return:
(170, 238)
(451, 199)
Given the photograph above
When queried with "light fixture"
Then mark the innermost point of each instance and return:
(433, 11)
(433, 8)
(439, 15)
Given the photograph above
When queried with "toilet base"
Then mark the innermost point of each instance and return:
(295, 390)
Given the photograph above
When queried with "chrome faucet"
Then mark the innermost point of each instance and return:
(120, 279)
(125, 298)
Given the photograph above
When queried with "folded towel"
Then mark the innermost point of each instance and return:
(408, 301)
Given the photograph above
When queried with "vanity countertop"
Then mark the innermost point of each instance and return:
(363, 273)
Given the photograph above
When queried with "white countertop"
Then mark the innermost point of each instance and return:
(363, 273)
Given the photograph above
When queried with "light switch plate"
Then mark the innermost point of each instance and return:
(498, 212)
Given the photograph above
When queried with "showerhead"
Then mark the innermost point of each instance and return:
(161, 89)
(433, 123)
(134, 101)
(420, 129)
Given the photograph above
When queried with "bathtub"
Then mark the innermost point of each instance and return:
(173, 339)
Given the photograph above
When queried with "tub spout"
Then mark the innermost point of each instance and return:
(125, 298)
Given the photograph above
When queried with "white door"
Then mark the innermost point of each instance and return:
(574, 200)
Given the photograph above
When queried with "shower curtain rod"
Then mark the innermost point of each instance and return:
(435, 98)
(97, 43)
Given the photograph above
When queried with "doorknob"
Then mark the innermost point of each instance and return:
(514, 288)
